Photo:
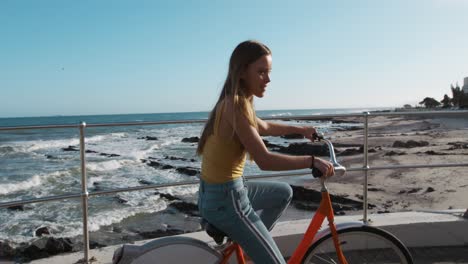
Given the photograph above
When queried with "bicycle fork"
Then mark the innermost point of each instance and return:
(331, 224)
(325, 210)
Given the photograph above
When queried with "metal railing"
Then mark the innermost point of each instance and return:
(84, 195)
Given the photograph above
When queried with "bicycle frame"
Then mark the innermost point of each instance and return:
(227, 252)
(325, 210)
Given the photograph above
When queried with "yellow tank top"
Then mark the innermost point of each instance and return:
(223, 160)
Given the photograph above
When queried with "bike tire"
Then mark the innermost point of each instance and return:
(363, 244)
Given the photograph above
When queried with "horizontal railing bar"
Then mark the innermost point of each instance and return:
(139, 188)
(297, 117)
(432, 113)
(422, 166)
(42, 199)
(38, 127)
(148, 123)
(248, 177)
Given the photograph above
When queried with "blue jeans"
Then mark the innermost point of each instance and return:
(246, 213)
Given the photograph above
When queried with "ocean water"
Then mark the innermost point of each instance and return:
(33, 164)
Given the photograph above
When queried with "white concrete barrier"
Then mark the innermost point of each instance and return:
(414, 229)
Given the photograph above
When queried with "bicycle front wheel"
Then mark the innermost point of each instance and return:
(363, 244)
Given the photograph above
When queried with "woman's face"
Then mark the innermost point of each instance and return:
(257, 76)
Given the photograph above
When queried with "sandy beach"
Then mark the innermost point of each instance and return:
(440, 140)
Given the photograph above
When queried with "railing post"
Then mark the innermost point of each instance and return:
(84, 193)
(366, 164)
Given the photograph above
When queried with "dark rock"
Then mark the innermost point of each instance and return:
(305, 149)
(145, 182)
(32, 252)
(160, 233)
(90, 151)
(350, 152)
(271, 145)
(94, 244)
(293, 136)
(307, 199)
(167, 196)
(430, 189)
(350, 128)
(458, 145)
(394, 153)
(58, 245)
(154, 164)
(340, 121)
(121, 200)
(70, 148)
(97, 187)
(188, 171)
(42, 231)
(191, 140)
(117, 229)
(167, 167)
(347, 145)
(431, 152)
(49, 157)
(148, 138)
(175, 158)
(414, 190)
(109, 155)
(6, 251)
(187, 208)
(383, 212)
(16, 208)
(410, 144)
(373, 189)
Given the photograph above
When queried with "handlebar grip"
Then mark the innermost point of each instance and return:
(316, 173)
(317, 136)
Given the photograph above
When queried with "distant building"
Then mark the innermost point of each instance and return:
(465, 85)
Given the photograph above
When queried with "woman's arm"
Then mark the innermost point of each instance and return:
(266, 160)
(275, 129)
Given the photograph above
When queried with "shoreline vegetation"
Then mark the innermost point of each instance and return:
(393, 140)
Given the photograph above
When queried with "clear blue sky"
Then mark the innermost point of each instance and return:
(109, 57)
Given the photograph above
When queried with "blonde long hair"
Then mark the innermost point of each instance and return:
(234, 89)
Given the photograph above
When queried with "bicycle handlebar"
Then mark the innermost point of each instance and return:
(340, 170)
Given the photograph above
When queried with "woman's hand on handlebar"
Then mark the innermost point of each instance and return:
(309, 132)
(324, 166)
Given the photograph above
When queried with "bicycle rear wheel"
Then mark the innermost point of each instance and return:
(361, 245)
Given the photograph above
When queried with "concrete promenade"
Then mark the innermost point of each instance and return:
(433, 237)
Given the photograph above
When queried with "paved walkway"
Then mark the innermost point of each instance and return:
(433, 237)
(440, 255)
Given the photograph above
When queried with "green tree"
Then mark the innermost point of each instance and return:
(429, 102)
(463, 100)
(457, 95)
(446, 102)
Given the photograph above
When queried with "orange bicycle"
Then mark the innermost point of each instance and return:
(345, 243)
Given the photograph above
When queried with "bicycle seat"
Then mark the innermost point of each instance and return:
(213, 232)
